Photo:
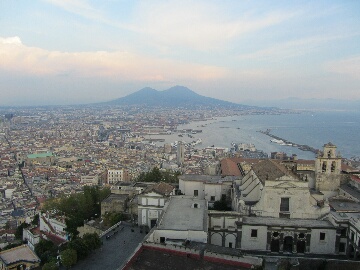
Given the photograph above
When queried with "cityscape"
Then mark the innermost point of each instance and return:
(179, 135)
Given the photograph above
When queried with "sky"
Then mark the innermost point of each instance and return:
(59, 52)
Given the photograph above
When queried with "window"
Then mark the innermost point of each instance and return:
(230, 245)
(343, 232)
(196, 193)
(196, 205)
(254, 233)
(322, 236)
(212, 198)
(342, 247)
(284, 205)
(352, 236)
(162, 239)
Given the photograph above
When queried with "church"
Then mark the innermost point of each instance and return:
(288, 207)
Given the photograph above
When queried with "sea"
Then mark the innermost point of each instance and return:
(314, 129)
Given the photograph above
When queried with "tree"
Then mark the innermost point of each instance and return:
(78, 207)
(111, 218)
(19, 230)
(92, 241)
(221, 205)
(50, 265)
(46, 250)
(35, 221)
(79, 246)
(155, 175)
(68, 257)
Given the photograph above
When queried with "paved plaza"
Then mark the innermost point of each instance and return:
(115, 250)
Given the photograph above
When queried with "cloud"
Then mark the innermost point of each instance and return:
(292, 48)
(118, 66)
(348, 66)
(199, 25)
(10, 40)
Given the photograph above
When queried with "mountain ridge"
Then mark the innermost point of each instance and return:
(176, 96)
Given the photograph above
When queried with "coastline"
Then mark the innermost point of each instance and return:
(309, 129)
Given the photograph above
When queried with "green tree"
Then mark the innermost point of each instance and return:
(78, 207)
(80, 247)
(35, 221)
(112, 218)
(50, 265)
(155, 175)
(68, 257)
(19, 230)
(46, 250)
(221, 205)
(92, 241)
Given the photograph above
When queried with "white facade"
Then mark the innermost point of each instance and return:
(114, 176)
(184, 219)
(323, 241)
(32, 239)
(279, 235)
(53, 226)
(222, 228)
(150, 206)
(210, 188)
(281, 194)
(254, 237)
(89, 179)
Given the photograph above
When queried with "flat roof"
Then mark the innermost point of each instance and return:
(351, 190)
(40, 155)
(115, 197)
(153, 259)
(204, 178)
(20, 253)
(180, 214)
(285, 222)
(344, 205)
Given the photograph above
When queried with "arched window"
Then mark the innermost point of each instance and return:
(324, 166)
(333, 166)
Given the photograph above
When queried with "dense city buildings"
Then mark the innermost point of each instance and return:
(211, 202)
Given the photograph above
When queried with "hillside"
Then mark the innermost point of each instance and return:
(177, 96)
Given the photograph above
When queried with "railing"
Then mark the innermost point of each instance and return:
(110, 229)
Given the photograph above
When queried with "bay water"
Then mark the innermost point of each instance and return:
(315, 129)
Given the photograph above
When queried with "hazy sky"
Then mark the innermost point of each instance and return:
(79, 51)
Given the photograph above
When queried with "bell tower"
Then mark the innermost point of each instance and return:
(327, 171)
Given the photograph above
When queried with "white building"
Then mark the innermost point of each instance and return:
(114, 176)
(269, 189)
(287, 235)
(91, 179)
(53, 225)
(151, 203)
(210, 188)
(184, 219)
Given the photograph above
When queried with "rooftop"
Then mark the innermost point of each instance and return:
(153, 259)
(40, 155)
(341, 204)
(272, 170)
(191, 218)
(20, 253)
(202, 178)
(161, 188)
(115, 197)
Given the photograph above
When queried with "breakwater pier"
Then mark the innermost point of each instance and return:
(282, 141)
